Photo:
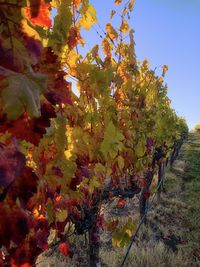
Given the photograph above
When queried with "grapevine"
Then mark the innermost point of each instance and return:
(63, 155)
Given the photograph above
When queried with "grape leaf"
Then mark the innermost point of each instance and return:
(94, 183)
(40, 15)
(22, 93)
(117, 2)
(61, 215)
(62, 23)
(140, 148)
(12, 162)
(112, 33)
(112, 142)
(88, 18)
(124, 26)
(120, 162)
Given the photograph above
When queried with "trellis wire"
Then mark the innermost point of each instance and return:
(149, 206)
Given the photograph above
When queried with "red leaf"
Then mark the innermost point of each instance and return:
(147, 194)
(73, 38)
(121, 203)
(95, 237)
(21, 265)
(142, 182)
(12, 162)
(41, 17)
(64, 249)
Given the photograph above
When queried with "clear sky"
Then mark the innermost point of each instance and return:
(166, 32)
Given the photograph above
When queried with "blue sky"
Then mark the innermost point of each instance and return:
(166, 32)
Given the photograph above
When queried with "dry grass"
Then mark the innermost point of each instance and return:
(145, 254)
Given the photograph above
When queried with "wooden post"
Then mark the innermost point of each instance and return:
(160, 177)
(94, 240)
(144, 193)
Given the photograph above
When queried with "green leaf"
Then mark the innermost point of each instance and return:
(120, 162)
(21, 56)
(61, 215)
(62, 24)
(94, 183)
(60, 133)
(49, 212)
(140, 148)
(24, 147)
(121, 237)
(112, 142)
(23, 94)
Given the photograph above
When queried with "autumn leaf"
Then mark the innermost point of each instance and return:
(40, 17)
(165, 69)
(50, 212)
(112, 13)
(73, 37)
(121, 203)
(12, 162)
(107, 47)
(61, 215)
(120, 162)
(131, 5)
(117, 2)
(112, 33)
(124, 26)
(76, 3)
(64, 249)
(112, 142)
(61, 26)
(22, 93)
(140, 148)
(147, 194)
(88, 18)
(94, 183)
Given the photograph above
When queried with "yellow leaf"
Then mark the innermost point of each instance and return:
(30, 31)
(107, 47)
(131, 5)
(124, 26)
(89, 18)
(129, 232)
(112, 33)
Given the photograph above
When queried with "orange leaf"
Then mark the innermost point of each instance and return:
(43, 15)
(76, 3)
(117, 2)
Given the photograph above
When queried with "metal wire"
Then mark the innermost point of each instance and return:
(149, 206)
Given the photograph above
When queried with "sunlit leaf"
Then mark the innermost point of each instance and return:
(124, 26)
(89, 18)
(117, 2)
(112, 33)
(41, 17)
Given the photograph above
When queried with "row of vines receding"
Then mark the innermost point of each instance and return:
(64, 152)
